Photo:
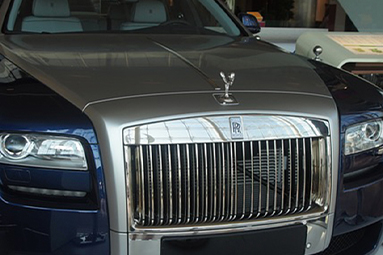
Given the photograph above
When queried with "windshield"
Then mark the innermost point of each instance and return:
(128, 16)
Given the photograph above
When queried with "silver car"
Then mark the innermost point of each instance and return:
(166, 127)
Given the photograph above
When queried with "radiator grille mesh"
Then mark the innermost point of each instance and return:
(184, 184)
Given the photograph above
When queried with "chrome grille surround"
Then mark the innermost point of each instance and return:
(190, 172)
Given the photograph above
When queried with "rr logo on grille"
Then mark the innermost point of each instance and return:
(236, 128)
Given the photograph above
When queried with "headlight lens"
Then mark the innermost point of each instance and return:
(364, 136)
(42, 151)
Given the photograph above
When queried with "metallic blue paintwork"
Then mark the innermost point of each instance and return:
(359, 200)
(28, 106)
(45, 178)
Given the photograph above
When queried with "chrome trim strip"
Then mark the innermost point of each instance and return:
(260, 180)
(244, 180)
(297, 174)
(232, 162)
(217, 129)
(215, 183)
(188, 184)
(142, 185)
(275, 178)
(283, 176)
(290, 178)
(223, 182)
(150, 169)
(231, 226)
(179, 211)
(206, 184)
(268, 178)
(162, 209)
(311, 174)
(304, 175)
(236, 182)
(213, 156)
(197, 184)
(252, 180)
(170, 186)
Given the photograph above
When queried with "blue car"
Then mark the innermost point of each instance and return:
(165, 127)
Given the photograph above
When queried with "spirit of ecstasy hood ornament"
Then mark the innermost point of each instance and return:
(228, 80)
(227, 98)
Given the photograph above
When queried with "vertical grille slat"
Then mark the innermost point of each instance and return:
(179, 180)
(141, 181)
(283, 177)
(290, 177)
(232, 202)
(171, 212)
(275, 178)
(252, 180)
(188, 185)
(236, 182)
(260, 179)
(296, 177)
(223, 213)
(304, 176)
(268, 179)
(221, 182)
(198, 184)
(151, 174)
(161, 188)
(311, 173)
(244, 181)
(206, 186)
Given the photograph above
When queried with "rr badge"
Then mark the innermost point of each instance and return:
(236, 128)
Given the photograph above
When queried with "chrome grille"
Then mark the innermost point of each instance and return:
(183, 184)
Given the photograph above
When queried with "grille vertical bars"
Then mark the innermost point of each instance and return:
(183, 184)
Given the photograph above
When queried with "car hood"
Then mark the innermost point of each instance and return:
(92, 68)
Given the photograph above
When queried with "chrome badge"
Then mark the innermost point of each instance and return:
(228, 80)
(226, 98)
(236, 128)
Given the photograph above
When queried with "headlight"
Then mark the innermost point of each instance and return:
(364, 136)
(42, 151)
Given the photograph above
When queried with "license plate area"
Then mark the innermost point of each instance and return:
(289, 240)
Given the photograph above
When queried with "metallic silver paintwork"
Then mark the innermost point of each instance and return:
(121, 81)
(110, 124)
(89, 68)
(217, 129)
(318, 230)
(119, 243)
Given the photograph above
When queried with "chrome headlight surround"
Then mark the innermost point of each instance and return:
(363, 136)
(45, 151)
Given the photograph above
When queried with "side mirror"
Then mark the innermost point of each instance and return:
(250, 22)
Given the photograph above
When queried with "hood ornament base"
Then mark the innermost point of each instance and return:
(223, 100)
(226, 98)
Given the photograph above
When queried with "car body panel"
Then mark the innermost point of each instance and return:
(48, 227)
(136, 65)
(93, 86)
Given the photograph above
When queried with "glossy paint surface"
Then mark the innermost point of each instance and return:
(125, 80)
(360, 189)
(28, 224)
(130, 66)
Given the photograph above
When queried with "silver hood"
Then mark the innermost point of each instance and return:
(128, 80)
(88, 69)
